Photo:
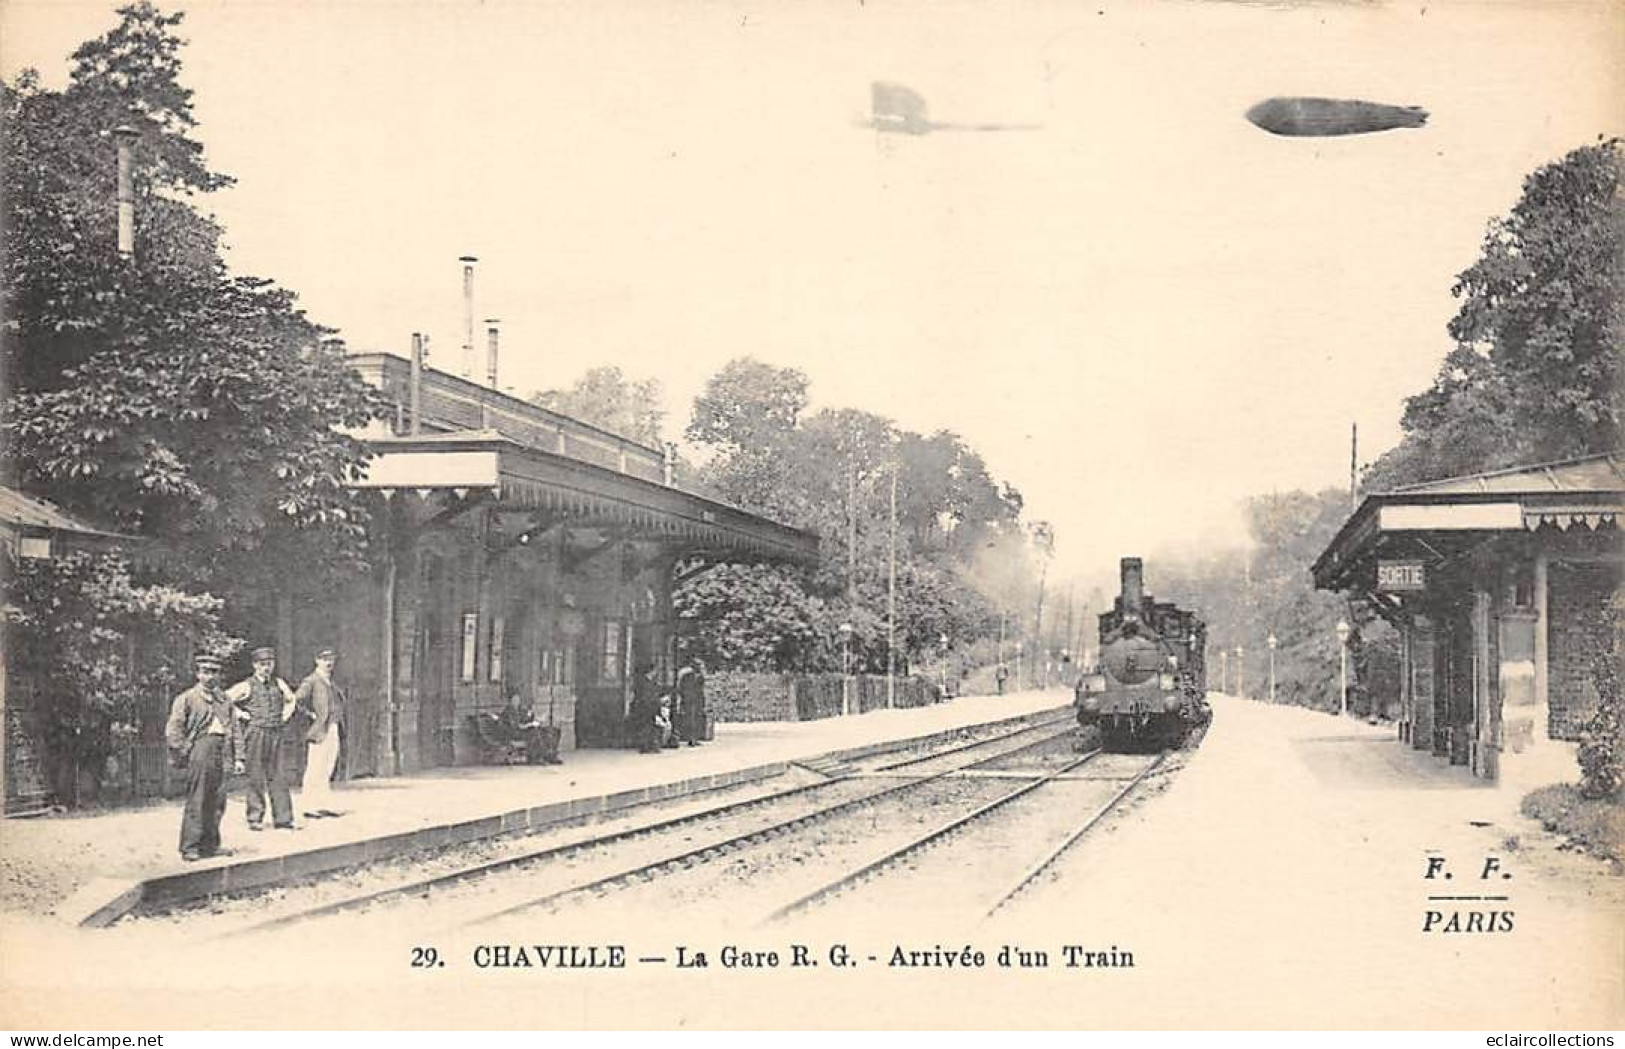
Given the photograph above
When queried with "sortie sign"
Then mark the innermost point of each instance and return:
(1401, 575)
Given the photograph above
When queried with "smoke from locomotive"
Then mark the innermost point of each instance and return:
(1150, 683)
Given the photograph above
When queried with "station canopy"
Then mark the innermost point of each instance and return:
(484, 467)
(1433, 521)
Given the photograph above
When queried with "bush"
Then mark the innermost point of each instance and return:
(1602, 757)
(1595, 826)
(92, 643)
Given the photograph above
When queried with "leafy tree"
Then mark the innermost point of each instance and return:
(1540, 334)
(1245, 596)
(93, 641)
(747, 415)
(161, 395)
(833, 473)
(607, 398)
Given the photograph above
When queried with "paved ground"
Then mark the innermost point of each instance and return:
(44, 860)
(1278, 881)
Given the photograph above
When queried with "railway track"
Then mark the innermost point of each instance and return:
(854, 878)
(1030, 876)
(950, 757)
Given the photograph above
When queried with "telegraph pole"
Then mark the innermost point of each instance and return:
(891, 600)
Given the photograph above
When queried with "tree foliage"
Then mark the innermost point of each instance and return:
(1246, 597)
(961, 552)
(1540, 332)
(606, 398)
(1602, 738)
(162, 395)
(94, 641)
(159, 395)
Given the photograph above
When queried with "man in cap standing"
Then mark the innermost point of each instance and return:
(205, 739)
(320, 697)
(267, 702)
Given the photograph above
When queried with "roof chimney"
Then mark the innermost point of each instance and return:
(415, 382)
(468, 315)
(491, 352)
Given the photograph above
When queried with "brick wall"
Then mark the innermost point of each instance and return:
(1578, 630)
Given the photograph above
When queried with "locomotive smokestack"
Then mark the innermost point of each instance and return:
(468, 315)
(1133, 572)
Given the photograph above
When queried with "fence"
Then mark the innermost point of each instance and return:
(746, 696)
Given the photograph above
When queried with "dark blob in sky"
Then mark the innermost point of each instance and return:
(1320, 117)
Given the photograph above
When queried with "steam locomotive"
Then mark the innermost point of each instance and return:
(1149, 683)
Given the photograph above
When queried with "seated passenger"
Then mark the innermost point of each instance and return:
(518, 722)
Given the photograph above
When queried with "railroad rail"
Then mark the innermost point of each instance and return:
(1032, 873)
(426, 886)
(853, 878)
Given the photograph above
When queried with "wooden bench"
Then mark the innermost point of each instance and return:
(496, 745)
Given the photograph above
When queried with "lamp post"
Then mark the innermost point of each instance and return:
(1020, 647)
(1343, 667)
(1241, 672)
(942, 666)
(846, 668)
(1272, 642)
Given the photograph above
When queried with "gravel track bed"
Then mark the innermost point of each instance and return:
(739, 889)
(1081, 865)
(938, 759)
(456, 904)
(952, 882)
(224, 914)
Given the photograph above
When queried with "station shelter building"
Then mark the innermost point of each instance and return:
(1500, 585)
(516, 551)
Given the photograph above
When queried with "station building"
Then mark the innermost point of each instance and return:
(513, 550)
(1499, 584)
(517, 551)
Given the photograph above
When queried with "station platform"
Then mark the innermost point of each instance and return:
(91, 868)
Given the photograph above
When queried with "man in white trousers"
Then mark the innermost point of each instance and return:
(322, 701)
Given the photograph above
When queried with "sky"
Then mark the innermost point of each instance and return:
(1140, 309)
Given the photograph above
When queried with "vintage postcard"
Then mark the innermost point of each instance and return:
(820, 516)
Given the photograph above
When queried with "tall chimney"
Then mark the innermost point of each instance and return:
(1133, 573)
(468, 315)
(491, 352)
(125, 137)
(415, 384)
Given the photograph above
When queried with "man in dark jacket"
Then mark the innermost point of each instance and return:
(643, 716)
(205, 739)
(691, 701)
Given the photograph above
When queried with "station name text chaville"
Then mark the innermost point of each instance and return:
(792, 956)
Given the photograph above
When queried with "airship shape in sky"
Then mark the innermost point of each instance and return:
(1321, 117)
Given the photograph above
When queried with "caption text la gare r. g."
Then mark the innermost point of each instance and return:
(840, 956)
